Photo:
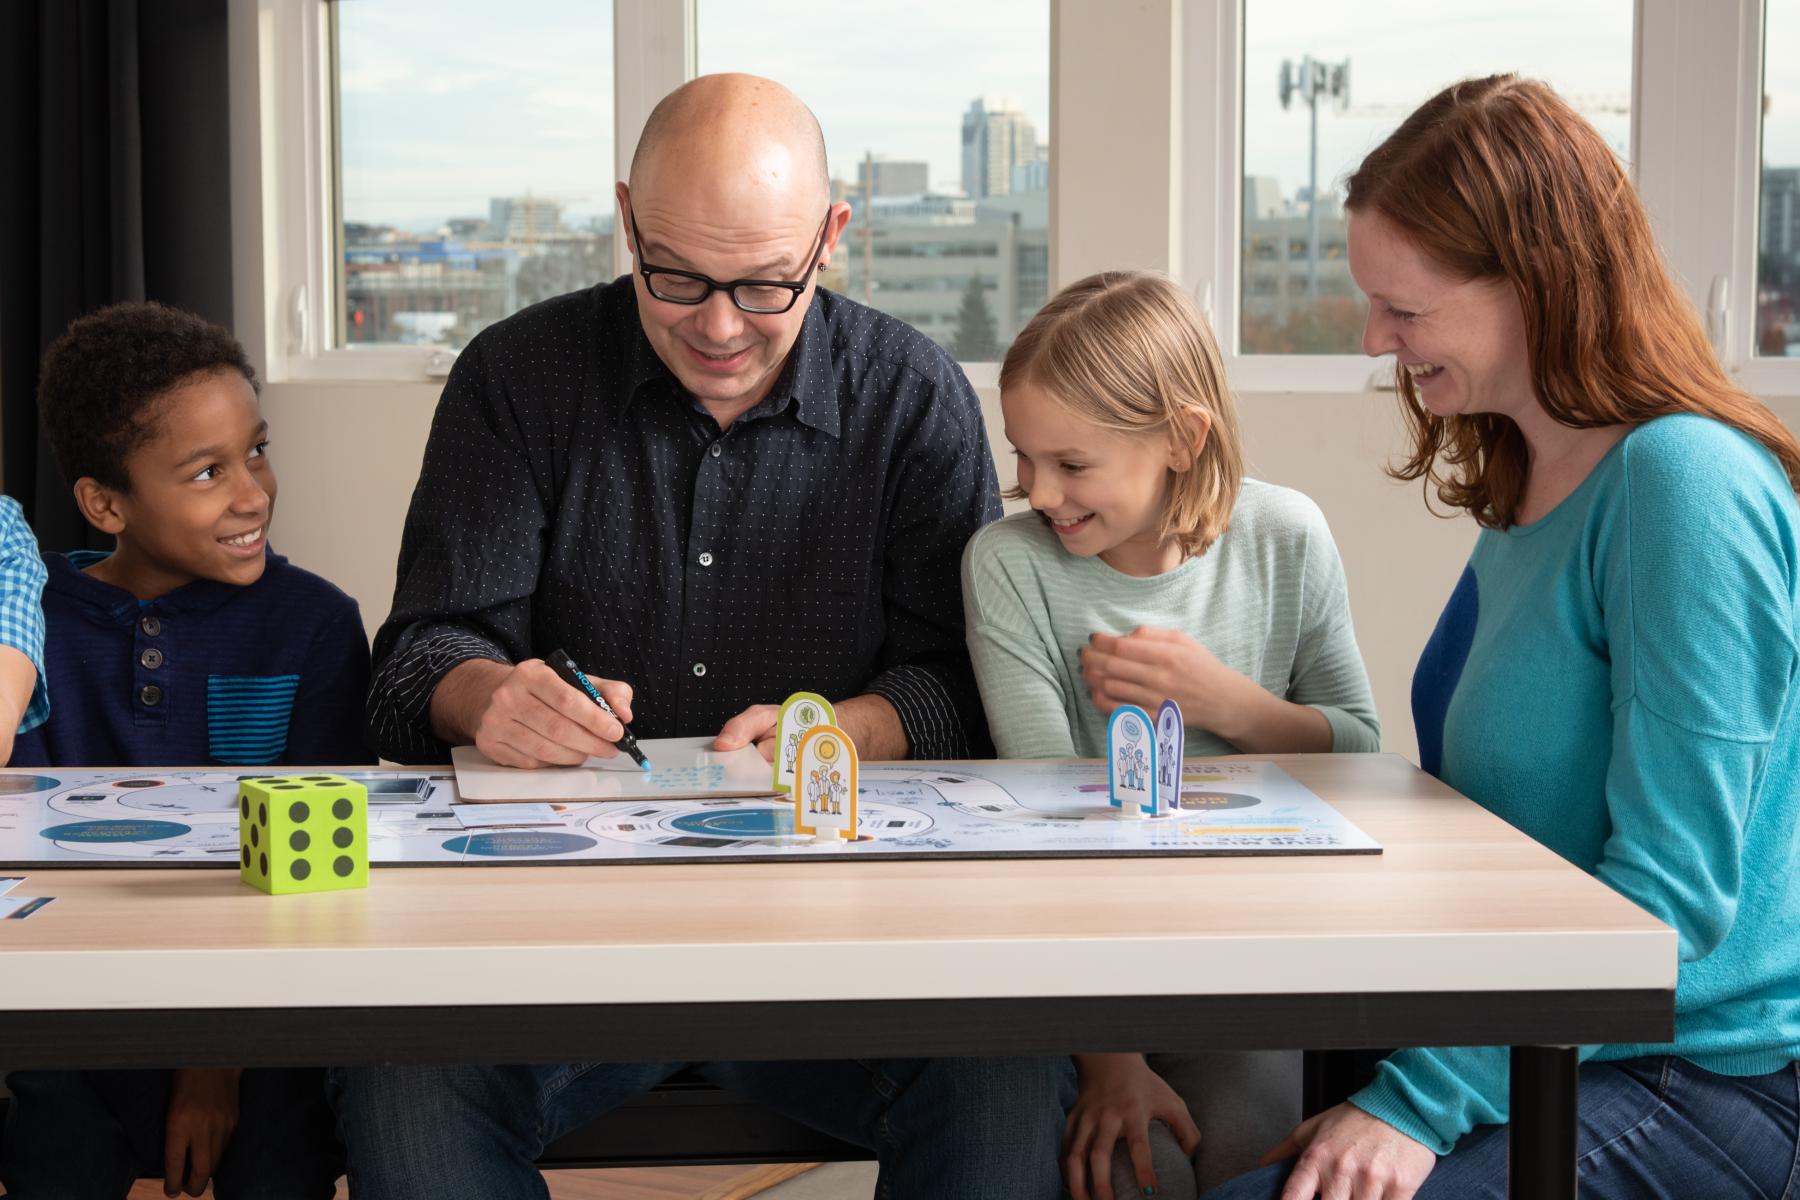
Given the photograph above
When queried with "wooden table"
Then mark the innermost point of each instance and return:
(1464, 932)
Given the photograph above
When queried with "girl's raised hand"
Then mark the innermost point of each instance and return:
(1147, 666)
(1120, 1095)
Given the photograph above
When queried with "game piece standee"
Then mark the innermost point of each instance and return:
(826, 782)
(800, 712)
(1171, 744)
(1131, 761)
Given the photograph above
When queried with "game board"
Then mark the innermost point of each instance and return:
(906, 810)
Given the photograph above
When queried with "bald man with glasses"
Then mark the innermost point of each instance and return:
(715, 485)
(712, 482)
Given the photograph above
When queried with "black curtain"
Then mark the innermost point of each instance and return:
(114, 185)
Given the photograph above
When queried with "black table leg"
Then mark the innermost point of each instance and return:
(1541, 1153)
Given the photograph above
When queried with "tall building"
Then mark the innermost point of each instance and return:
(917, 256)
(996, 137)
(1032, 176)
(1262, 198)
(1781, 212)
(523, 218)
(1281, 314)
(893, 177)
(1778, 263)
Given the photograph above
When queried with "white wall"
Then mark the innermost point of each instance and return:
(347, 456)
(1401, 560)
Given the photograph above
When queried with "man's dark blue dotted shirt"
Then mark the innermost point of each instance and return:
(574, 495)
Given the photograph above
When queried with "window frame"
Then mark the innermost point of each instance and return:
(1699, 88)
(1695, 138)
(286, 229)
(1761, 376)
(1213, 188)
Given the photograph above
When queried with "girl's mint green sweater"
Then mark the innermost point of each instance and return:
(1617, 680)
(1267, 598)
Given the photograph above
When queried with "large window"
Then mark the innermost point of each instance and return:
(1324, 82)
(412, 171)
(1778, 217)
(475, 163)
(936, 118)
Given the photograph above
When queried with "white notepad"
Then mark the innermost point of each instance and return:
(681, 768)
(495, 815)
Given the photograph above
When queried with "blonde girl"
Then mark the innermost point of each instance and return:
(1147, 567)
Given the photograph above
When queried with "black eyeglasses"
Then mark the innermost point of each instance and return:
(762, 296)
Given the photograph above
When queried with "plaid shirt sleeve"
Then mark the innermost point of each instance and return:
(22, 578)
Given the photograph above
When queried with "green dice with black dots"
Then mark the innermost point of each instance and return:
(303, 833)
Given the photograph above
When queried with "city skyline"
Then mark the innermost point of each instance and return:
(436, 122)
(505, 145)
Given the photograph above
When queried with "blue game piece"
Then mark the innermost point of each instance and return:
(1131, 760)
(1171, 745)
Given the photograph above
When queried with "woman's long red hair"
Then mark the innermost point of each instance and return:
(1499, 178)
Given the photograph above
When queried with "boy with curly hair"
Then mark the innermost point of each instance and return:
(190, 643)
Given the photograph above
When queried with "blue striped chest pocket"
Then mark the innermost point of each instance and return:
(247, 716)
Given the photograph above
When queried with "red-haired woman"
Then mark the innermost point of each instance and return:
(1615, 673)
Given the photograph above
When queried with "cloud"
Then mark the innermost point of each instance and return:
(593, 108)
(372, 75)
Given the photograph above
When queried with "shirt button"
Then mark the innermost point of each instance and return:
(699, 668)
(151, 695)
(151, 626)
(706, 558)
(716, 450)
(152, 658)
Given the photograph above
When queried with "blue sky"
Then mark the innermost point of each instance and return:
(448, 102)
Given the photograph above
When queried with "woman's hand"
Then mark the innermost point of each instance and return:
(1346, 1154)
(1120, 1095)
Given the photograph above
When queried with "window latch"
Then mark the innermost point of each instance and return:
(296, 319)
(1718, 314)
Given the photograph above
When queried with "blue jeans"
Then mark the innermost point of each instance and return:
(87, 1135)
(1650, 1129)
(942, 1129)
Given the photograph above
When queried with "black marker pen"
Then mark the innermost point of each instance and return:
(569, 673)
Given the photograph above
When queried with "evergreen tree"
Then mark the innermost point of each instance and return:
(977, 338)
